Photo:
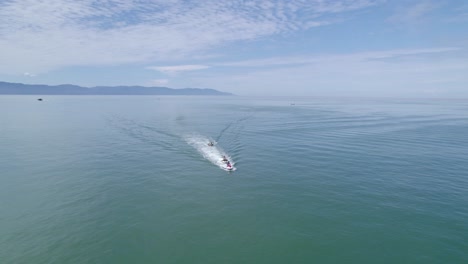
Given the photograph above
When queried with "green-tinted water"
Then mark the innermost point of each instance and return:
(129, 179)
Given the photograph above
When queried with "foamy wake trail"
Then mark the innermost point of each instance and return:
(214, 154)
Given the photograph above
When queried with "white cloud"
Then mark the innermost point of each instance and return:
(160, 82)
(178, 68)
(39, 36)
(381, 73)
(28, 74)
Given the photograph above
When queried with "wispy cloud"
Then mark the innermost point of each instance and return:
(374, 73)
(160, 82)
(178, 68)
(39, 36)
(28, 74)
(411, 72)
(460, 14)
(361, 56)
(414, 13)
(295, 61)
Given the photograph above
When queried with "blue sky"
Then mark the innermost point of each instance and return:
(408, 48)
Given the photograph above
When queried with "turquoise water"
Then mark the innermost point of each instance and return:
(129, 179)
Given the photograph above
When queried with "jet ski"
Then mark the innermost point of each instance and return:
(228, 165)
(210, 144)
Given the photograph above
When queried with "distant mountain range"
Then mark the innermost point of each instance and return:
(69, 89)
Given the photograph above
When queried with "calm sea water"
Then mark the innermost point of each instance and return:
(130, 179)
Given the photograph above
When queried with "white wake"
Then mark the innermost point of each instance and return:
(214, 154)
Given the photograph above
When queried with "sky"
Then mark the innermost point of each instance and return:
(376, 48)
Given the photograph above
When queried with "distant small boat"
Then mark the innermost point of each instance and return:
(39, 99)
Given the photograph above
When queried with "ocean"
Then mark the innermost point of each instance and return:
(131, 179)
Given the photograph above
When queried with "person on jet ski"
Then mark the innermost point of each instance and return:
(224, 159)
(210, 144)
(228, 164)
